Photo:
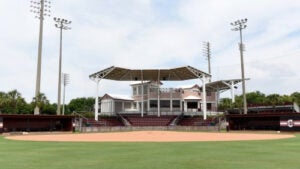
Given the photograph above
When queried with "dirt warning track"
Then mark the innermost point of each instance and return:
(149, 136)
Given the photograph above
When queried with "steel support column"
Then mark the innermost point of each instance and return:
(204, 96)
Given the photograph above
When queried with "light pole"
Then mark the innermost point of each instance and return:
(66, 80)
(61, 24)
(239, 25)
(207, 53)
(40, 8)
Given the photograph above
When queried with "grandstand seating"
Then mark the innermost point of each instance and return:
(149, 120)
(266, 105)
(104, 121)
(266, 109)
(196, 121)
(111, 121)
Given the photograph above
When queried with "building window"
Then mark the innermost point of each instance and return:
(139, 90)
(209, 106)
(134, 90)
(153, 103)
(134, 105)
(165, 103)
(152, 90)
(176, 103)
(208, 93)
(192, 105)
(145, 89)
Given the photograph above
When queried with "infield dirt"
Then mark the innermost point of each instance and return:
(149, 136)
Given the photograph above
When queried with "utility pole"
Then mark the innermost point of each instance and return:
(61, 24)
(66, 80)
(40, 8)
(206, 51)
(239, 25)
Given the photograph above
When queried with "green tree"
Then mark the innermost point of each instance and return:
(15, 101)
(26, 109)
(296, 97)
(225, 103)
(81, 104)
(238, 103)
(286, 99)
(274, 99)
(3, 101)
(12, 102)
(41, 101)
(49, 109)
(256, 98)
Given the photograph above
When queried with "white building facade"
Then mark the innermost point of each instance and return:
(149, 98)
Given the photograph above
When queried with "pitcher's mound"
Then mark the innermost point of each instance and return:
(150, 136)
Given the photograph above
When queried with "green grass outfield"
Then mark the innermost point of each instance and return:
(275, 154)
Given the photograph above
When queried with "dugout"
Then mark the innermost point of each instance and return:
(29, 123)
(269, 121)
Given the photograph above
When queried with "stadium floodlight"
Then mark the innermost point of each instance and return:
(239, 25)
(61, 24)
(207, 53)
(40, 8)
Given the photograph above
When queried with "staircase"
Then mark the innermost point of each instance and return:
(176, 120)
(87, 122)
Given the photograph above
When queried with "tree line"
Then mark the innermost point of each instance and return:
(258, 98)
(12, 102)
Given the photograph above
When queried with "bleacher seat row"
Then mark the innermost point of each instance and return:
(151, 120)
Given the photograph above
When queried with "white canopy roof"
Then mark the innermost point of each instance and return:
(174, 74)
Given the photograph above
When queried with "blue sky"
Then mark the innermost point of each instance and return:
(150, 34)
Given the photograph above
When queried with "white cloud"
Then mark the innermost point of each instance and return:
(138, 34)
